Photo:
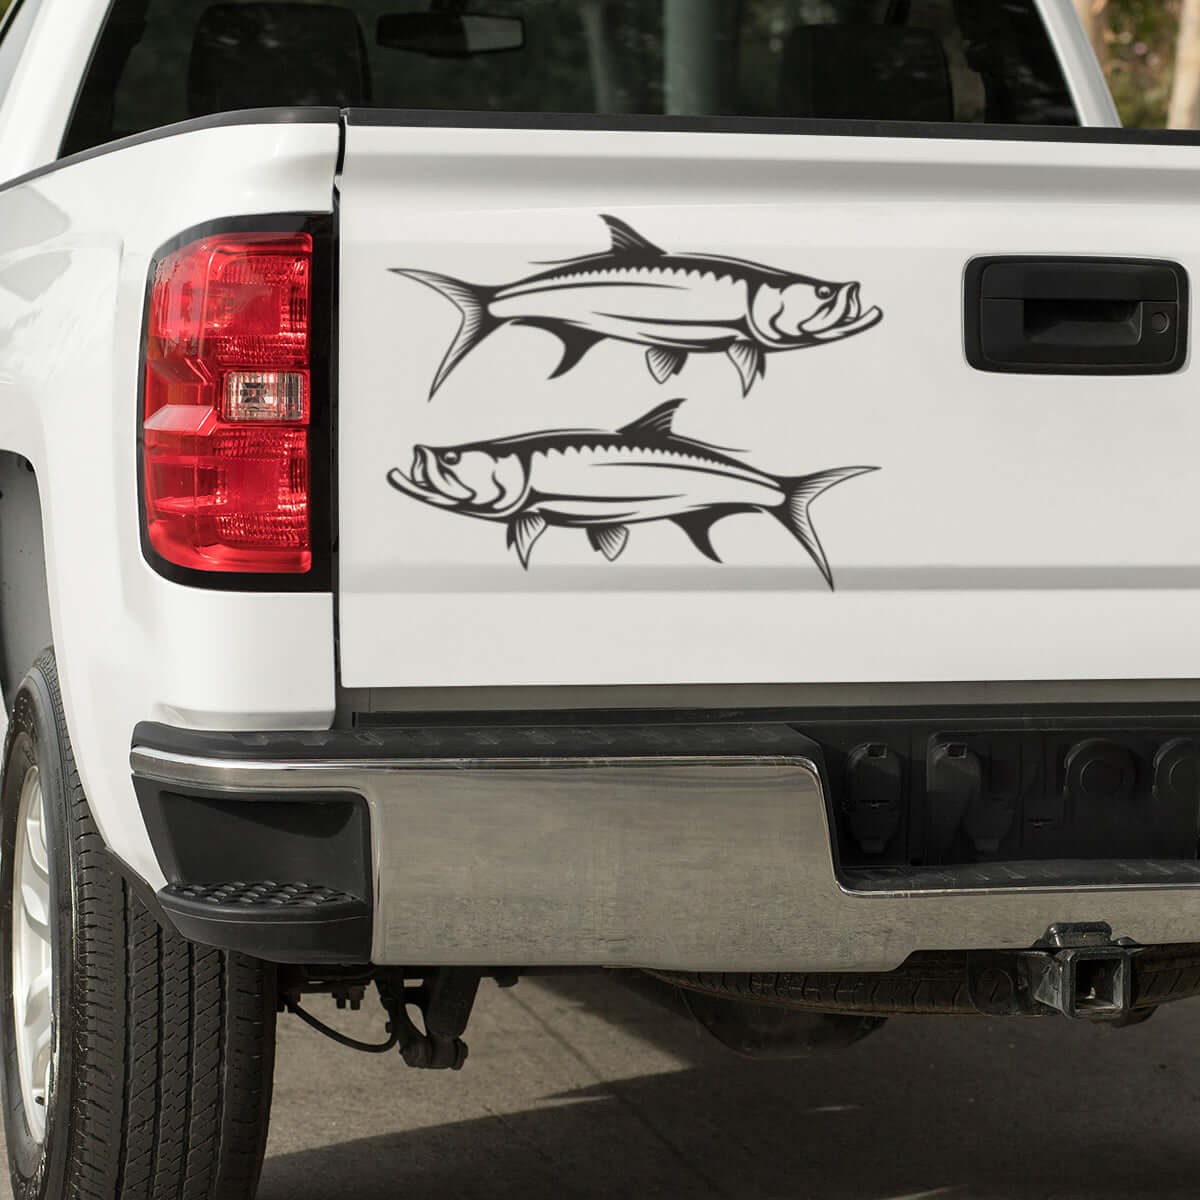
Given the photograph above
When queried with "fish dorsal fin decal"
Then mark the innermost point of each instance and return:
(627, 241)
(655, 425)
(609, 540)
(524, 533)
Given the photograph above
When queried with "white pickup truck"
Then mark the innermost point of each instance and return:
(691, 489)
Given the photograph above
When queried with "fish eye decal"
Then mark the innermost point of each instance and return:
(603, 483)
(675, 305)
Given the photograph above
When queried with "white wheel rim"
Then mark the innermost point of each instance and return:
(33, 966)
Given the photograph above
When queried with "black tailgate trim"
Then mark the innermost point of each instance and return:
(425, 118)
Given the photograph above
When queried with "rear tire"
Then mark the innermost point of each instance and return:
(162, 1052)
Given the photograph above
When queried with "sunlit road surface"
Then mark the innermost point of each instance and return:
(579, 1088)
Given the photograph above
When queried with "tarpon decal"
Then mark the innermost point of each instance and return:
(673, 304)
(605, 482)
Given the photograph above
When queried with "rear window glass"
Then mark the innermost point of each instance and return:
(160, 61)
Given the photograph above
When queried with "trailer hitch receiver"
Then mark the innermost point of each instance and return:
(1087, 976)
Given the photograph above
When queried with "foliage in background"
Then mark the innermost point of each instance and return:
(1138, 53)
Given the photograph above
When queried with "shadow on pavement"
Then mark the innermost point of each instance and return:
(963, 1109)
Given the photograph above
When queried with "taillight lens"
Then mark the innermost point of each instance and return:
(228, 399)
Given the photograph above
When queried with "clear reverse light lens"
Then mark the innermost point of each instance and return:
(265, 396)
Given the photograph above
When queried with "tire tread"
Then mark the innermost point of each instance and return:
(173, 1042)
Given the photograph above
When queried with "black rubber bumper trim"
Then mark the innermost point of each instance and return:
(278, 931)
(286, 877)
(315, 942)
(660, 735)
(1003, 876)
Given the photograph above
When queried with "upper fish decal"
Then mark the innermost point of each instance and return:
(606, 482)
(673, 304)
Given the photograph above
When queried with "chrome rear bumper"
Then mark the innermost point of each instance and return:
(654, 858)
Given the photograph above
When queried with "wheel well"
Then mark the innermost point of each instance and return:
(24, 599)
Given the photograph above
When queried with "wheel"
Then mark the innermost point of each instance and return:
(136, 1065)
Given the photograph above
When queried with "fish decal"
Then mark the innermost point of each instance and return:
(606, 482)
(673, 304)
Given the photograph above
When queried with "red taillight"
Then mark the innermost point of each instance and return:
(228, 401)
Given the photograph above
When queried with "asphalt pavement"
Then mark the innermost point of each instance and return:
(578, 1088)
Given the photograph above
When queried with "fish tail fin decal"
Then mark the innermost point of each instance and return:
(795, 513)
(472, 301)
(627, 241)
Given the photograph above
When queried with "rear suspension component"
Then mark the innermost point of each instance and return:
(444, 997)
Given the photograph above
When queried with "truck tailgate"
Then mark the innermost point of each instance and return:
(519, 503)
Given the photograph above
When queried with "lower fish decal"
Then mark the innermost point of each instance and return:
(673, 304)
(606, 482)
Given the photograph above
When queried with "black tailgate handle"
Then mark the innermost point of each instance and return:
(1076, 316)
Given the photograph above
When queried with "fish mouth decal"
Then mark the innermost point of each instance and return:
(843, 316)
(440, 485)
(604, 483)
(673, 304)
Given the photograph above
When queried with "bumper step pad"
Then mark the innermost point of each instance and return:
(275, 895)
(267, 919)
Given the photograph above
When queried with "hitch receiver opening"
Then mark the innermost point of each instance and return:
(1088, 984)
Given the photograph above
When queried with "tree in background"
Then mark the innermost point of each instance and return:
(1135, 41)
(1091, 13)
(1185, 93)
